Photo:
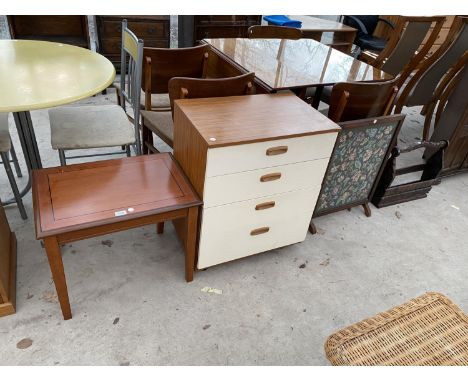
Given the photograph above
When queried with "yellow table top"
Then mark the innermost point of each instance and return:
(41, 74)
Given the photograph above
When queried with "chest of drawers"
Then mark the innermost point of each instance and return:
(258, 163)
(7, 267)
(154, 30)
(69, 29)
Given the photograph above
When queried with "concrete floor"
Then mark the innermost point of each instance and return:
(131, 304)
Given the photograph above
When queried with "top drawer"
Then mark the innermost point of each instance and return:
(239, 158)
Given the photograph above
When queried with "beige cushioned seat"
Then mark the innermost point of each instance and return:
(5, 141)
(84, 127)
(158, 101)
(160, 122)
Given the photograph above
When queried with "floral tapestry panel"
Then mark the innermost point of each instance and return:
(354, 166)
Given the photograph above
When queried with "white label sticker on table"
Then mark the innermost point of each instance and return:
(120, 213)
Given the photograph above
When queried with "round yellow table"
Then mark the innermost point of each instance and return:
(41, 74)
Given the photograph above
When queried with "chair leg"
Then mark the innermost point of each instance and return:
(144, 138)
(150, 142)
(367, 210)
(13, 185)
(127, 149)
(117, 93)
(160, 228)
(15, 161)
(63, 161)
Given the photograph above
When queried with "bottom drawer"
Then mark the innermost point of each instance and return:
(236, 230)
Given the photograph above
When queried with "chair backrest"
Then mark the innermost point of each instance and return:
(71, 29)
(452, 125)
(421, 86)
(273, 31)
(408, 45)
(161, 64)
(184, 87)
(369, 22)
(356, 100)
(130, 75)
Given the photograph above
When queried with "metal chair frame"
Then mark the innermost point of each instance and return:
(5, 156)
(130, 90)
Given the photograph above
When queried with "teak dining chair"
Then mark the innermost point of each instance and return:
(6, 147)
(160, 65)
(451, 122)
(408, 45)
(161, 124)
(86, 127)
(272, 31)
(358, 100)
(441, 94)
(421, 87)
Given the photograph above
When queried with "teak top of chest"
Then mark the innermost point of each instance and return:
(89, 195)
(226, 121)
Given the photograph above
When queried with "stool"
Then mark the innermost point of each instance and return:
(429, 330)
(80, 201)
(6, 147)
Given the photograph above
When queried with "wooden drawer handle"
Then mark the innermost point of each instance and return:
(270, 177)
(277, 150)
(259, 231)
(264, 206)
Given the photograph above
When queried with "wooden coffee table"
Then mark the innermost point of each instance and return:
(80, 201)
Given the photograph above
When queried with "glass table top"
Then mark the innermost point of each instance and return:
(287, 64)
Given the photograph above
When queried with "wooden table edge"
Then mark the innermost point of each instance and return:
(220, 143)
(126, 219)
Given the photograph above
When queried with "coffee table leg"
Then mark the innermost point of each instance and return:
(160, 228)
(191, 242)
(56, 267)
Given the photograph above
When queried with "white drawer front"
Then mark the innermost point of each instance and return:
(248, 185)
(231, 159)
(226, 230)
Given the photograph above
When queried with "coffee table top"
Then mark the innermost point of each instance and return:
(41, 74)
(94, 194)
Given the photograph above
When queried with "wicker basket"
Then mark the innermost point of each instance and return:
(429, 330)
